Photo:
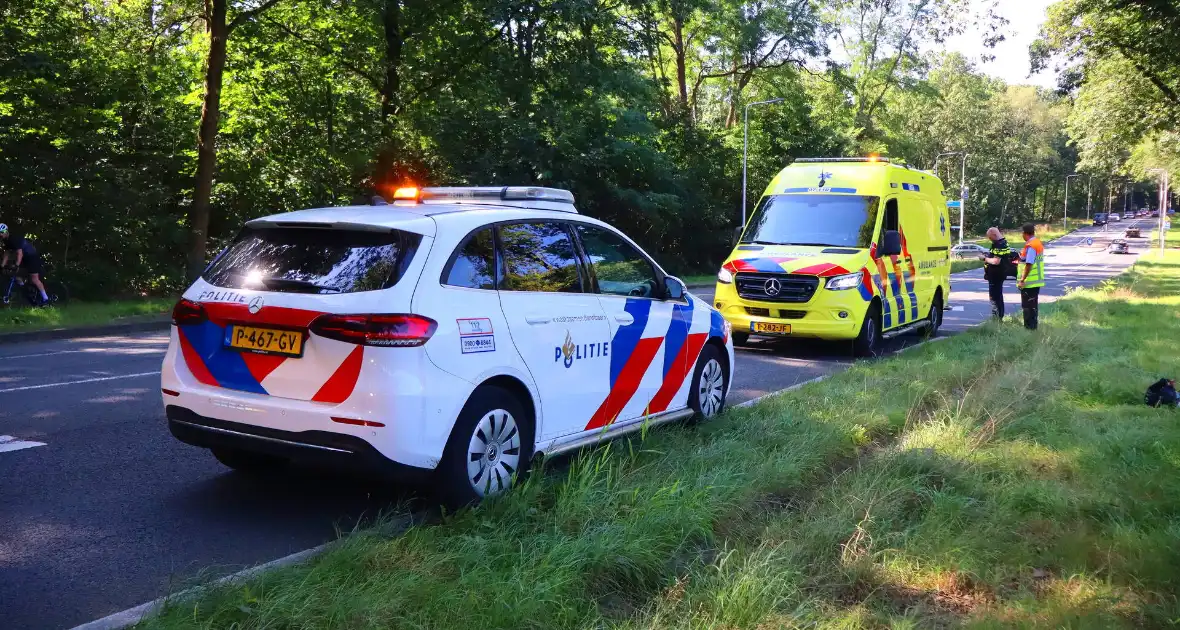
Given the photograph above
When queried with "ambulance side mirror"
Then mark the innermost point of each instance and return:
(890, 244)
(737, 235)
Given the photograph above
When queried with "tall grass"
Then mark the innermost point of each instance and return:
(999, 478)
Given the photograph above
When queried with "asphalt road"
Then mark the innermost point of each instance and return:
(110, 511)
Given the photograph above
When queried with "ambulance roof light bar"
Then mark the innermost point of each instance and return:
(547, 198)
(871, 158)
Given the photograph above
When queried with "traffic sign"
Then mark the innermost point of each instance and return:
(954, 204)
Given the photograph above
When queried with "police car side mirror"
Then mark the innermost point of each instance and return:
(737, 235)
(673, 288)
(890, 244)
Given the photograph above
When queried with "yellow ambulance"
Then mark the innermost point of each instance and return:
(841, 248)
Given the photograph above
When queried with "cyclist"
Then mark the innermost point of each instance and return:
(26, 256)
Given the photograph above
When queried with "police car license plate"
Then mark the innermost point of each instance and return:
(265, 340)
(770, 327)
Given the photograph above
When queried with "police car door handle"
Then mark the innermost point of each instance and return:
(538, 319)
(625, 318)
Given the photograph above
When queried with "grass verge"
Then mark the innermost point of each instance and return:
(699, 279)
(965, 265)
(997, 478)
(80, 314)
(1171, 238)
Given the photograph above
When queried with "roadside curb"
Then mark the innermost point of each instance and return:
(101, 330)
(132, 616)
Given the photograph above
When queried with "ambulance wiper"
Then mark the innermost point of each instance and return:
(309, 287)
(811, 244)
(764, 243)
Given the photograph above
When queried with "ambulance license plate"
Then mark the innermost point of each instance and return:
(770, 328)
(288, 343)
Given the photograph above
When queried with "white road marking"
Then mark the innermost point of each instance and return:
(9, 443)
(41, 354)
(118, 351)
(85, 380)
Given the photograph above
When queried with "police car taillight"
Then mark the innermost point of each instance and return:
(188, 312)
(394, 331)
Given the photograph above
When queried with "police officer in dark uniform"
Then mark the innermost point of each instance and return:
(997, 263)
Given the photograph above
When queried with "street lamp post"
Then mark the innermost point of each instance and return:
(745, 148)
(963, 198)
(1163, 202)
(1089, 183)
(962, 186)
(1065, 211)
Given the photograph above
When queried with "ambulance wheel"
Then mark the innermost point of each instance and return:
(935, 318)
(490, 448)
(710, 382)
(868, 341)
(741, 338)
(247, 462)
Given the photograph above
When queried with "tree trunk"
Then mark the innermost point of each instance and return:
(391, 21)
(681, 66)
(741, 80)
(198, 216)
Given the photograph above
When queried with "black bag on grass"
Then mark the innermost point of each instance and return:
(1163, 392)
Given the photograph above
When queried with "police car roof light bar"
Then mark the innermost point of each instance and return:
(521, 196)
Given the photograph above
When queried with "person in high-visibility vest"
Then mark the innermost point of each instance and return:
(1032, 274)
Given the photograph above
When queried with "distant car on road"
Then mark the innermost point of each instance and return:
(968, 250)
(449, 335)
(1118, 246)
(1100, 218)
(1132, 232)
(1155, 213)
(1114, 216)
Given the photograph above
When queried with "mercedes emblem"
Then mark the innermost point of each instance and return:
(772, 287)
(255, 305)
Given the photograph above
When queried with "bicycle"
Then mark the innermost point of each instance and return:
(18, 279)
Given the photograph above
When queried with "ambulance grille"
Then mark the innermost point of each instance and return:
(791, 288)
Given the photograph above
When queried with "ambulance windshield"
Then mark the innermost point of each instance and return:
(819, 220)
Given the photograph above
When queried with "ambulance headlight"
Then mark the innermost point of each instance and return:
(844, 282)
(725, 276)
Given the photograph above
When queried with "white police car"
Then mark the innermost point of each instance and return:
(457, 333)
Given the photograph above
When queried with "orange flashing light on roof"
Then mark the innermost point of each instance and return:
(406, 193)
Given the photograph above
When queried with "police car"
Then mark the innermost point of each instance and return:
(451, 335)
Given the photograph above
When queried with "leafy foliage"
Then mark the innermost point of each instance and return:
(634, 106)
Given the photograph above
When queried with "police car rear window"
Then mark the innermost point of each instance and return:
(313, 260)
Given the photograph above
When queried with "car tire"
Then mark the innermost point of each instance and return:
(741, 338)
(710, 384)
(248, 462)
(868, 341)
(490, 448)
(935, 318)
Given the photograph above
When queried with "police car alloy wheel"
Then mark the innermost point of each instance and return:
(493, 453)
(707, 397)
(489, 450)
(710, 388)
